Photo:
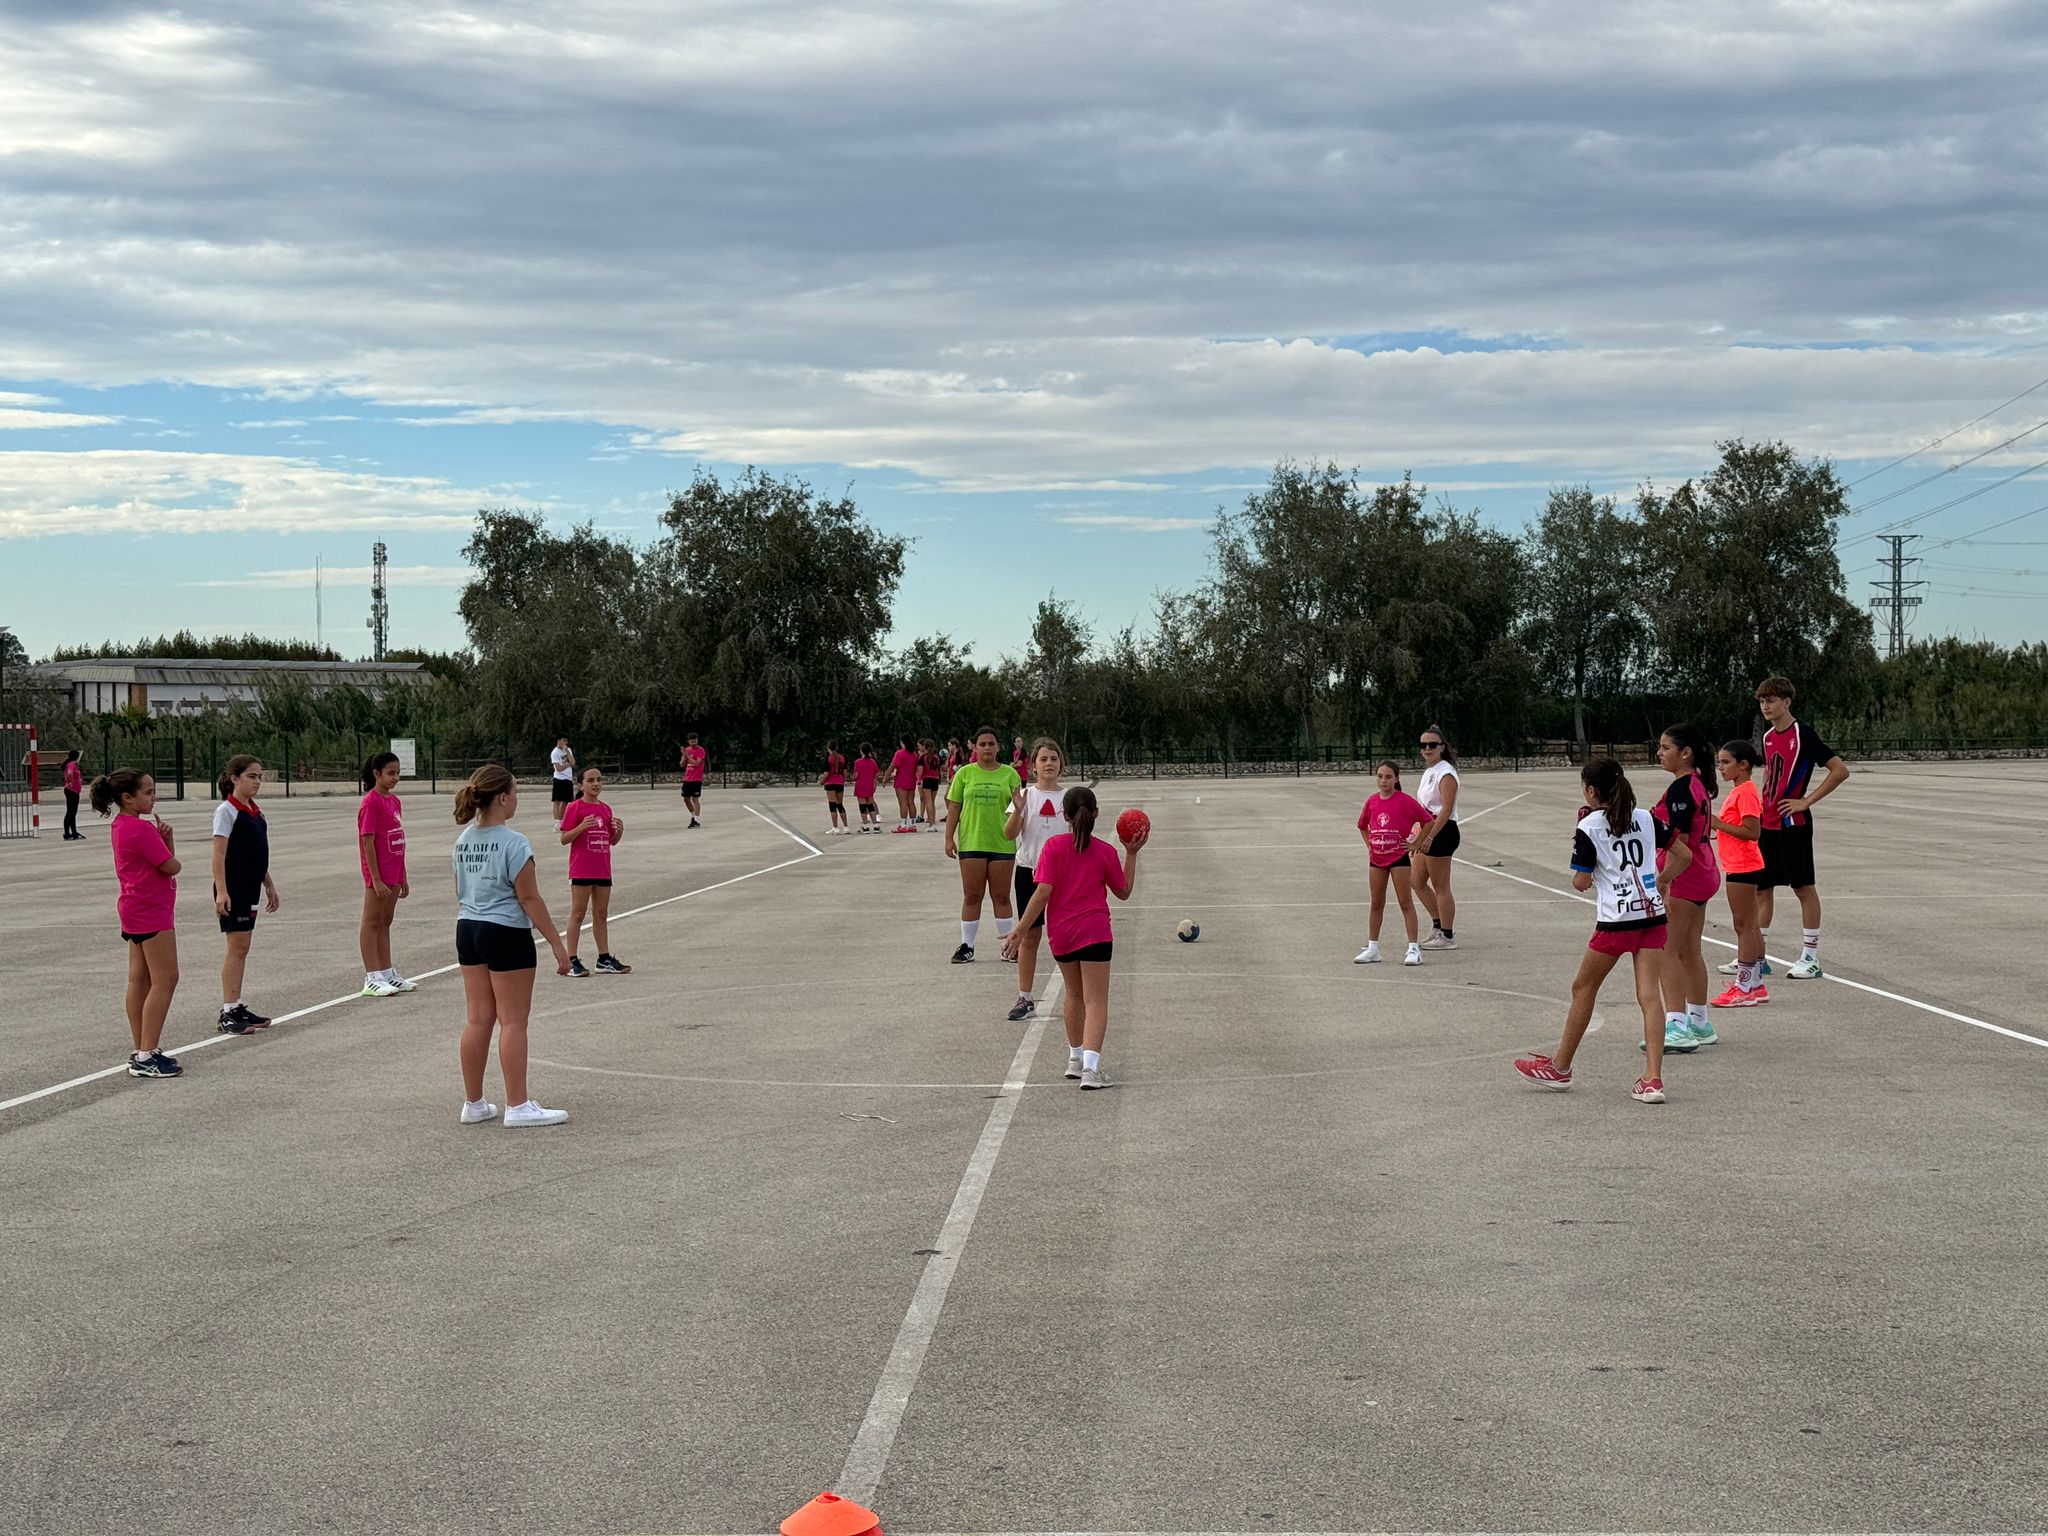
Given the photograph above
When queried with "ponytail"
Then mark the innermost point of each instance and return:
(1604, 777)
(1690, 738)
(377, 763)
(239, 764)
(108, 788)
(484, 786)
(1081, 811)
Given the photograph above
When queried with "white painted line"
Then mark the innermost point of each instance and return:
(349, 997)
(785, 829)
(1840, 981)
(869, 1457)
(1489, 809)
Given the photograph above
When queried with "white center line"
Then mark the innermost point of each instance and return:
(1489, 810)
(349, 997)
(869, 1457)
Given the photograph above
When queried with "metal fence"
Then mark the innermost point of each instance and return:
(19, 787)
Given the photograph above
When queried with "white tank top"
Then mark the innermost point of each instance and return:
(1431, 791)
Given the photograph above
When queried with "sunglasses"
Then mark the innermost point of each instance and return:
(1431, 746)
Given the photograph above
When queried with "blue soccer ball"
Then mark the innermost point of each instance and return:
(1188, 931)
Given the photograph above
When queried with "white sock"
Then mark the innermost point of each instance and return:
(1091, 1061)
(1073, 1053)
(1764, 934)
(139, 1055)
(1673, 1020)
(1809, 944)
(1004, 925)
(969, 932)
(1696, 1013)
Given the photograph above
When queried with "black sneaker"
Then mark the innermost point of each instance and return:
(1022, 1009)
(251, 1019)
(231, 1022)
(578, 971)
(156, 1064)
(693, 824)
(612, 965)
(964, 955)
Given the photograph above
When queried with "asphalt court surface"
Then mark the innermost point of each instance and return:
(1319, 1262)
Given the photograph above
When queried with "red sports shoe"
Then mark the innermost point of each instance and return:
(1544, 1072)
(1648, 1090)
(1735, 997)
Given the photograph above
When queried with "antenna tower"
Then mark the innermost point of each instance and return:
(380, 604)
(1895, 592)
(319, 611)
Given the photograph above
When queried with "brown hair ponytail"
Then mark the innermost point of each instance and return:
(108, 788)
(1081, 810)
(1617, 796)
(239, 764)
(484, 786)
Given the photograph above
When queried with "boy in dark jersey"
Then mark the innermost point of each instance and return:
(1792, 752)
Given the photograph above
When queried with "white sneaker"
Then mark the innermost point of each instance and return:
(400, 984)
(1805, 970)
(479, 1112)
(1094, 1079)
(377, 986)
(1370, 955)
(1074, 1068)
(1732, 968)
(1439, 940)
(1414, 955)
(530, 1113)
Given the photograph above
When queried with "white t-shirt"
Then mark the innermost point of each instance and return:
(1431, 791)
(560, 758)
(1042, 819)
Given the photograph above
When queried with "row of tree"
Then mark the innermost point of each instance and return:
(1335, 617)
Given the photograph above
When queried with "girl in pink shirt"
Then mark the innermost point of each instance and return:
(590, 828)
(380, 839)
(903, 779)
(148, 911)
(866, 772)
(1076, 874)
(1389, 826)
(74, 786)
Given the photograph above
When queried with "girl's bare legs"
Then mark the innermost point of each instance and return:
(480, 1015)
(374, 936)
(1593, 970)
(1443, 906)
(1401, 883)
(1379, 906)
(600, 913)
(1749, 938)
(579, 903)
(1073, 1004)
(138, 991)
(1027, 960)
(512, 992)
(160, 961)
(1419, 879)
(1095, 990)
(903, 805)
(973, 886)
(1002, 878)
(233, 965)
(1684, 971)
(927, 801)
(1650, 964)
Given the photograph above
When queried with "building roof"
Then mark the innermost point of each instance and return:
(200, 671)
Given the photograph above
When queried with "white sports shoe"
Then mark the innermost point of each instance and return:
(479, 1112)
(1414, 955)
(1806, 970)
(377, 986)
(530, 1113)
(1370, 955)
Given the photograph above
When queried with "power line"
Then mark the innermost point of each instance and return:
(1906, 490)
(1896, 594)
(1895, 463)
(1953, 501)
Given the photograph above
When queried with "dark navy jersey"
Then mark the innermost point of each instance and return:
(248, 855)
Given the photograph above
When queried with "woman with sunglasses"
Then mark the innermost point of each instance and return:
(1435, 843)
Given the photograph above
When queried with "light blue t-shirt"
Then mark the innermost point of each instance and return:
(487, 861)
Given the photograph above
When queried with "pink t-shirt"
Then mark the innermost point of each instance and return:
(74, 781)
(149, 899)
(1386, 821)
(903, 769)
(380, 820)
(694, 759)
(1077, 913)
(590, 855)
(865, 771)
(835, 771)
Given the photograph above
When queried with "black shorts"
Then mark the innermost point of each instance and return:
(603, 880)
(1403, 862)
(1788, 857)
(867, 808)
(1743, 877)
(141, 938)
(835, 794)
(563, 792)
(1024, 886)
(931, 786)
(499, 946)
(1445, 843)
(241, 917)
(963, 855)
(693, 789)
(1086, 952)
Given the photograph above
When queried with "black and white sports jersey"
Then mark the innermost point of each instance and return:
(248, 850)
(1624, 868)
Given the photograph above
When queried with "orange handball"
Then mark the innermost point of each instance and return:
(1131, 824)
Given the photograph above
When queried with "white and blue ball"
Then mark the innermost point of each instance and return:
(1188, 931)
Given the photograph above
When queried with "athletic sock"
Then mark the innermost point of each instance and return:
(1749, 975)
(1004, 925)
(1091, 1061)
(140, 1055)
(1696, 1015)
(1810, 944)
(969, 932)
(1448, 934)
(1673, 1020)
(1073, 1053)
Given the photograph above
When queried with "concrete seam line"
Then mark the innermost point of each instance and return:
(785, 829)
(349, 997)
(1840, 981)
(869, 1457)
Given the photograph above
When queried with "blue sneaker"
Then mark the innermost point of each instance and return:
(1701, 1032)
(1678, 1039)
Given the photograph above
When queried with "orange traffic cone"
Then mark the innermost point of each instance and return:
(830, 1515)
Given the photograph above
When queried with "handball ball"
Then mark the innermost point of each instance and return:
(1189, 931)
(1131, 823)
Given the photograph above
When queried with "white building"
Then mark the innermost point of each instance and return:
(102, 685)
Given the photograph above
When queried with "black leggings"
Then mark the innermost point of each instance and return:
(70, 813)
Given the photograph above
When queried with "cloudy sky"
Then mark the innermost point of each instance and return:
(1044, 283)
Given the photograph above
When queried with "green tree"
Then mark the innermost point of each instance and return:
(1585, 623)
(784, 594)
(1060, 639)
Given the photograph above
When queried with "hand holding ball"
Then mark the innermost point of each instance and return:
(1132, 828)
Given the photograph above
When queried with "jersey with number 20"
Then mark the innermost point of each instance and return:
(1624, 868)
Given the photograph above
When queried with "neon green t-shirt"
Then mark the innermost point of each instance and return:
(983, 795)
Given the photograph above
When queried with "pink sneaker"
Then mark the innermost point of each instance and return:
(1648, 1090)
(1735, 997)
(1544, 1072)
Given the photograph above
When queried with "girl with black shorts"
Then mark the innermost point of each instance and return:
(500, 906)
(928, 767)
(834, 781)
(241, 878)
(977, 806)
(1438, 792)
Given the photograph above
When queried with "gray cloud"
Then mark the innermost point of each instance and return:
(1042, 244)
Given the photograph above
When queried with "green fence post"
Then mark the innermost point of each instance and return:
(178, 762)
